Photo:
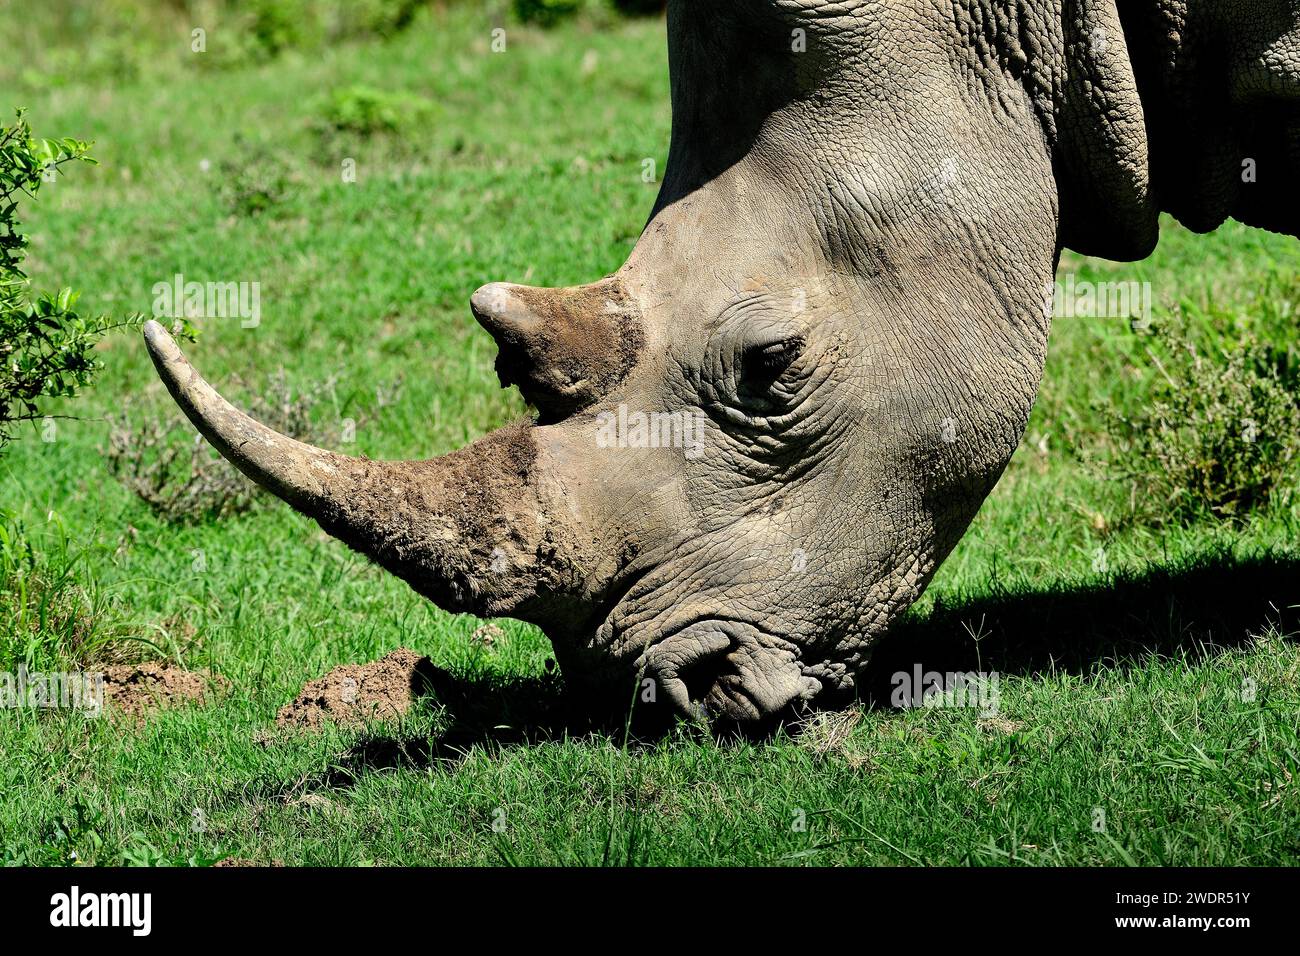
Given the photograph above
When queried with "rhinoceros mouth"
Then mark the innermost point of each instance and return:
(722, 667)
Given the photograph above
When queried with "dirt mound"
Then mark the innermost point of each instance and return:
(242, 862)
(353, 694)
(137, 689)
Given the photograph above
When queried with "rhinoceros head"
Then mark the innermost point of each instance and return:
(757, 440)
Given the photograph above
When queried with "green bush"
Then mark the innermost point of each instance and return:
(546, 12)
(367, 112)
(279, 25)
(45, 346)
(382, 18)
(1219, 432)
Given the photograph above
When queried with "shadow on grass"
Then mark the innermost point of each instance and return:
(1194, 611)
(498, 712)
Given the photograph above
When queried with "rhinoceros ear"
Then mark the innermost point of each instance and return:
(564, 348)
(1107, 207)
(1220, 87)
(1177, 107)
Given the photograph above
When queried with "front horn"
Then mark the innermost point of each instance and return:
(465, 530)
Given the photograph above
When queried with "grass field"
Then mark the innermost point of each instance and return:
(1150, 681)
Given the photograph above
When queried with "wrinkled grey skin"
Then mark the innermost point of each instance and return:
(847, 277)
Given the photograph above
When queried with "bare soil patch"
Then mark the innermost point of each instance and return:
(239, 861)
(353, 694)
(136, 690)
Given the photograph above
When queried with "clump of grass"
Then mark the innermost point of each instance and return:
(81, 835)
(546, 12)
(275, 26)
(51, 610)
(179, 475)
(359, 113)
(257, 180)
(279, 25)
(1218, 433)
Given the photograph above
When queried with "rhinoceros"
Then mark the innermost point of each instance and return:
(755, 442)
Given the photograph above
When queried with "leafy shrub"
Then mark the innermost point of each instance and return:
(546, 12)
(364, 112)
(46, 614)
(382, 18)
(1219, 433)
(183, 479)
(279, 25)
(45, 346)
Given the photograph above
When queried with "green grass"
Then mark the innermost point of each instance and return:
(1122, 689)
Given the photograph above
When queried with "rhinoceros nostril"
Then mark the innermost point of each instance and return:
(702, 676)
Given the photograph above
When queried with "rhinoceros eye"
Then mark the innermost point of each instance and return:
(752, 363)
(768, 359)
(776, 356)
